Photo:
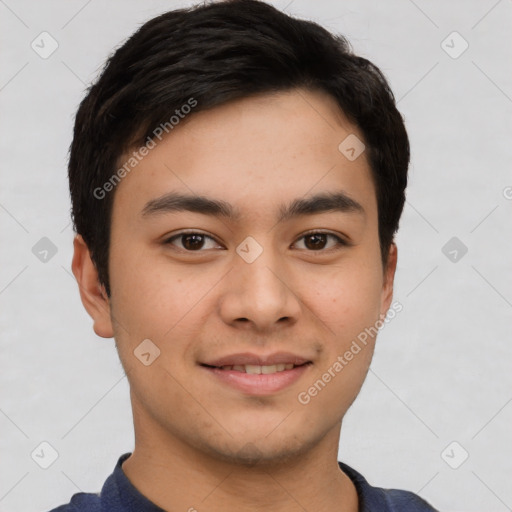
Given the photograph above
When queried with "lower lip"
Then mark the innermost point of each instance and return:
(259, 384)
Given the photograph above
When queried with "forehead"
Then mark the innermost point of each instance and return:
(254, 153)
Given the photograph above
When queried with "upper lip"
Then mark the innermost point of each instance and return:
(259, 360)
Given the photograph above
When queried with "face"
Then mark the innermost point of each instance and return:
(276, 264)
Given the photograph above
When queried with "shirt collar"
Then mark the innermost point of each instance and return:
(118, 490)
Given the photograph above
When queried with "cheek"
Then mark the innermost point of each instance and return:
(348, 299)
(347, 305)
(153, 299)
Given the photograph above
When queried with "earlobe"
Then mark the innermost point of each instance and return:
(92, 293)
(388, 280)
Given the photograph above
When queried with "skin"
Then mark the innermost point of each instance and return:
(200, 444)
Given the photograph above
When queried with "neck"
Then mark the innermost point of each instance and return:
(176, 476)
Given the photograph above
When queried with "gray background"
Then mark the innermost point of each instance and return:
(442, 369)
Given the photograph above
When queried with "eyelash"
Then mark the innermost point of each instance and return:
(340, 242)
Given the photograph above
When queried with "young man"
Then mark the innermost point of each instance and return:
(237, 177)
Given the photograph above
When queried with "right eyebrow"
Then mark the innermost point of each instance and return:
(173, 202)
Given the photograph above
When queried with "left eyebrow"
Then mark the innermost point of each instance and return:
(319, 203)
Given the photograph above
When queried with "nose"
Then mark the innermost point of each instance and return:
(259, 296)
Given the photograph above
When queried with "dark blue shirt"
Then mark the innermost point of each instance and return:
(119, 495)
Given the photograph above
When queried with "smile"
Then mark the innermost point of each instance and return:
(255, 369)
(257, 380)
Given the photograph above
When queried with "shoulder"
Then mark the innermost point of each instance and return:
(81, 502)
(115, 492)
(385, 500)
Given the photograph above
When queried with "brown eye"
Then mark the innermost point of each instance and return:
(315, 241)
(318, 241)
(192, 242)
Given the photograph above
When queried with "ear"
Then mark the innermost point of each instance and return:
(388, 280)
(93, 295)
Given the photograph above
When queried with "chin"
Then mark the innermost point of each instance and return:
(260, 450)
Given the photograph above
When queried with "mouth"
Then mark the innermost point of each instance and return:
(255, 379)
(255, 369)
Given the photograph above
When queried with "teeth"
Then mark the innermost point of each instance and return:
(257, 369)
(269, 369)
(252, 368)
